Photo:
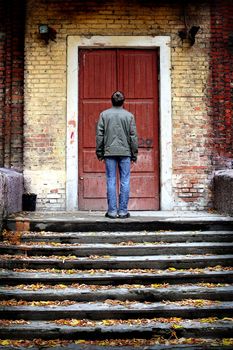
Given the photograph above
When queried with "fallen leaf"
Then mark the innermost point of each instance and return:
(80, 341)
(5, 342)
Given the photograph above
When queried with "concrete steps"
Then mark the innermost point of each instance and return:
(157, 289)
(116, 277)
(65, 344)
(113, 309)
(152, 293)
(96, 222)
(116, 262)
(134, 237)
(102, 330)
(112, 250)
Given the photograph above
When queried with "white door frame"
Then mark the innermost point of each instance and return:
(165, 115)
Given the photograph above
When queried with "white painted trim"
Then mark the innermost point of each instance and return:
(72, 126)
(161, 42)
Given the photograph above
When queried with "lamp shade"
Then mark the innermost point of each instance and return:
(43, 29)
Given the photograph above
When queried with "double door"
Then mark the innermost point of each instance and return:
(134, 72)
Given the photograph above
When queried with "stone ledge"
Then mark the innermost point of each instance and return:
(223, 191)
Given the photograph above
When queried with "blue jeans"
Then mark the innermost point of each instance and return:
(123, 164)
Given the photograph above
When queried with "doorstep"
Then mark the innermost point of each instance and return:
(61, 221)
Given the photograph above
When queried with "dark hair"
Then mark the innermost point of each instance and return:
(118, 98)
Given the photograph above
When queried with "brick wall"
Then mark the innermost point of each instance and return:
(12, 14)
(2, 79)
(201, 88)
(221, 82)
(45, 90)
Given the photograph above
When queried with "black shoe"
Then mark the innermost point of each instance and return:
(124, 216)
(110, 216)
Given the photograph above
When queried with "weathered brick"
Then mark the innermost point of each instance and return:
(220, 92)
(11, 95)
(202, 89)
(46, 80)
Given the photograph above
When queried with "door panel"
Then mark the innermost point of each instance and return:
(137, 78)
(101, 72)
(90, 163)
(94, 185)
(89, 109)
(142, 186)
(145, 162)
(99, 76)
(135, 71)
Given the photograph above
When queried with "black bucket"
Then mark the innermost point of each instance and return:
(29, 202)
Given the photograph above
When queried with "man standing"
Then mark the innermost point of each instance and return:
(117, 145)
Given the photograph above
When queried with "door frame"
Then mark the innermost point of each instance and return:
(165, 113)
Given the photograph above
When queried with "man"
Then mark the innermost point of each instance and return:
(117, 145)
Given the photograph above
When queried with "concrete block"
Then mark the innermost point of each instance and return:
(11, 190)
(223, 191)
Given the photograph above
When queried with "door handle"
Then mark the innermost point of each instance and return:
(81, 178)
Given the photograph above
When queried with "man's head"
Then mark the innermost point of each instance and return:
(117, 98)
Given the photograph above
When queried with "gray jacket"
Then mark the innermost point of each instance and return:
(116, 134)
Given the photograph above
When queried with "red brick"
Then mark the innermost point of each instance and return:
(12, 72)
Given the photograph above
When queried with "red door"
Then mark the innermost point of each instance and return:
(101, 72)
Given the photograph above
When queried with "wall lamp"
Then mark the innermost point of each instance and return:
(188, 33)
(47, 33)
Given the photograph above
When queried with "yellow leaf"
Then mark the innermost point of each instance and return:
(104, 343)
(5, 342)
(106, 323)
(159, 285)
(177, 326)
(209, 320)
(80, 341)
(172, 269)
(227, 342)
(75, 323)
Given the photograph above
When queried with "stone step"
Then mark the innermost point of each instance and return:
(84, 221)
(73, 346)
(115, 309)
(105, 277)
(127, 292)
(121, 344)
(70, 250)
(85, 250)
(107, 329)
(122, 262)
(137, 237)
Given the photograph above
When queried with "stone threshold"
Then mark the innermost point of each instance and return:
(61, 221)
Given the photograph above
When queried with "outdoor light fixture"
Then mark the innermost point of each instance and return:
(188, 32)
(43, 28)
(47, 33)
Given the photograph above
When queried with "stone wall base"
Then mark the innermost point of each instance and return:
(223, 191)
(11, 190)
